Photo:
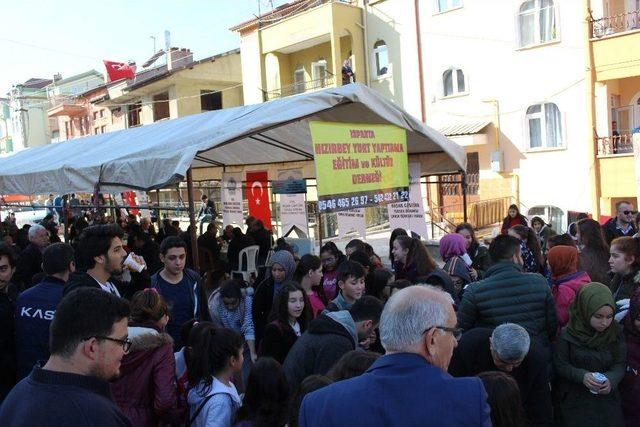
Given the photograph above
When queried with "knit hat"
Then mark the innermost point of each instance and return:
(286, 261)
(563, 260)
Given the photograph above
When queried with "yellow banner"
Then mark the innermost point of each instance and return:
(359, 165)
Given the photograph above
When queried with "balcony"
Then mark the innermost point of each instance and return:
(620, 23)
(301, 87)
(614, 145)
(615, 40)
(64, 105)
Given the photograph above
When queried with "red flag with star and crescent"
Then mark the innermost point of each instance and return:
(119, 70)
(258, 197)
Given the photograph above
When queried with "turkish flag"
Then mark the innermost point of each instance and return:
(130, 199)
(119, 70)
(258, 197)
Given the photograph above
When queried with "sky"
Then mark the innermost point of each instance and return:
(39, 38)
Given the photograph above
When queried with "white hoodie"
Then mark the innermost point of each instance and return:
(220, 410)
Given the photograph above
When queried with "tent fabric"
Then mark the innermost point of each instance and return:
(158, 155)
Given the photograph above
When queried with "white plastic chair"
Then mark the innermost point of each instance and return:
(251, 255)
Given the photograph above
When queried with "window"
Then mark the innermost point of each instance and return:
(536, 22)
(552, 215)
(444, 5)
(96, 131)
(298, 81)
(210, 100)
(133, 116)
(103, 129)
(319, 73)
(544, 125)
(473, 174)
(101, 113)
(161, 106)
(453, 82)
(95, 115)
(381, 56)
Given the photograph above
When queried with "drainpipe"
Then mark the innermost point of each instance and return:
(365, 12)
(420, 75)
(590, 81)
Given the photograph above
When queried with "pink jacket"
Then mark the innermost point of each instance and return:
(564, 291)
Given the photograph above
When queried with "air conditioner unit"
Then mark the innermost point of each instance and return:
(497, 161)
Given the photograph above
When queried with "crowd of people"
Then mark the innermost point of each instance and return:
(117, 327)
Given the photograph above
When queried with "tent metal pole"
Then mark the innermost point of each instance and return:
(464, 196)
(319, 221)
(192, 221)
(158, 204)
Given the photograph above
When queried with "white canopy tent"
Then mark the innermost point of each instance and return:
(158, 155)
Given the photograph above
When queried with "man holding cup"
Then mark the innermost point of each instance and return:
(101, 255)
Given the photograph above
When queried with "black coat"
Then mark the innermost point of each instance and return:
(7, 340)
(262, 238)
(277, 341)
(473, 356)
(235, 246)
(261, 308)
(610, 230)
(317, 350)
(29, 264)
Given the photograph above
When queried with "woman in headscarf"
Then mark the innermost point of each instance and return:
(590, 361)
(566, 280)
(457, 263)
(480, 259)
(630, 385)
(281, 270)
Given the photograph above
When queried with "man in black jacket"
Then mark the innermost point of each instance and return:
(100, 253)
(8, 294)
(329, 337)
(262, 237)
(508, 348)
(621, 224)
(30, 261)
(88, 340)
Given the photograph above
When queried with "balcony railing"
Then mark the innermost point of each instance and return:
(615, 24)
(609, 145)
(301, 87)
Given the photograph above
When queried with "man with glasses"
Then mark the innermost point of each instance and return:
(409, 386)
(88, 338)
(508, 348)
(621, 224)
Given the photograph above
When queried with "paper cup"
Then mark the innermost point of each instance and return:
(132, 264)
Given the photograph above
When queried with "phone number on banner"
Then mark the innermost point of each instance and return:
(361, 201)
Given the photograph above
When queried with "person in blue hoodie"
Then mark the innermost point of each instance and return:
(36, 307)
(215, 358)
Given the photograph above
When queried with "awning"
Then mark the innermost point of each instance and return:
(155, 156)
(467, 134)
(463, 128)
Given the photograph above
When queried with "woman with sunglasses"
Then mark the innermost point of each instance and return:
(146, 391)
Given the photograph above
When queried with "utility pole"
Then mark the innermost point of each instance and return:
(154, 44)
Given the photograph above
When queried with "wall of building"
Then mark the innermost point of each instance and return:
(473, 38)
(252, 68)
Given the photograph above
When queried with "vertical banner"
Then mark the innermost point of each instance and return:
(130, 198)
(352, 220)
(258, 197)
(410, 215)
(120, 202)
(293, 209)
(232, 198)
(359, 165)
(143, 200)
